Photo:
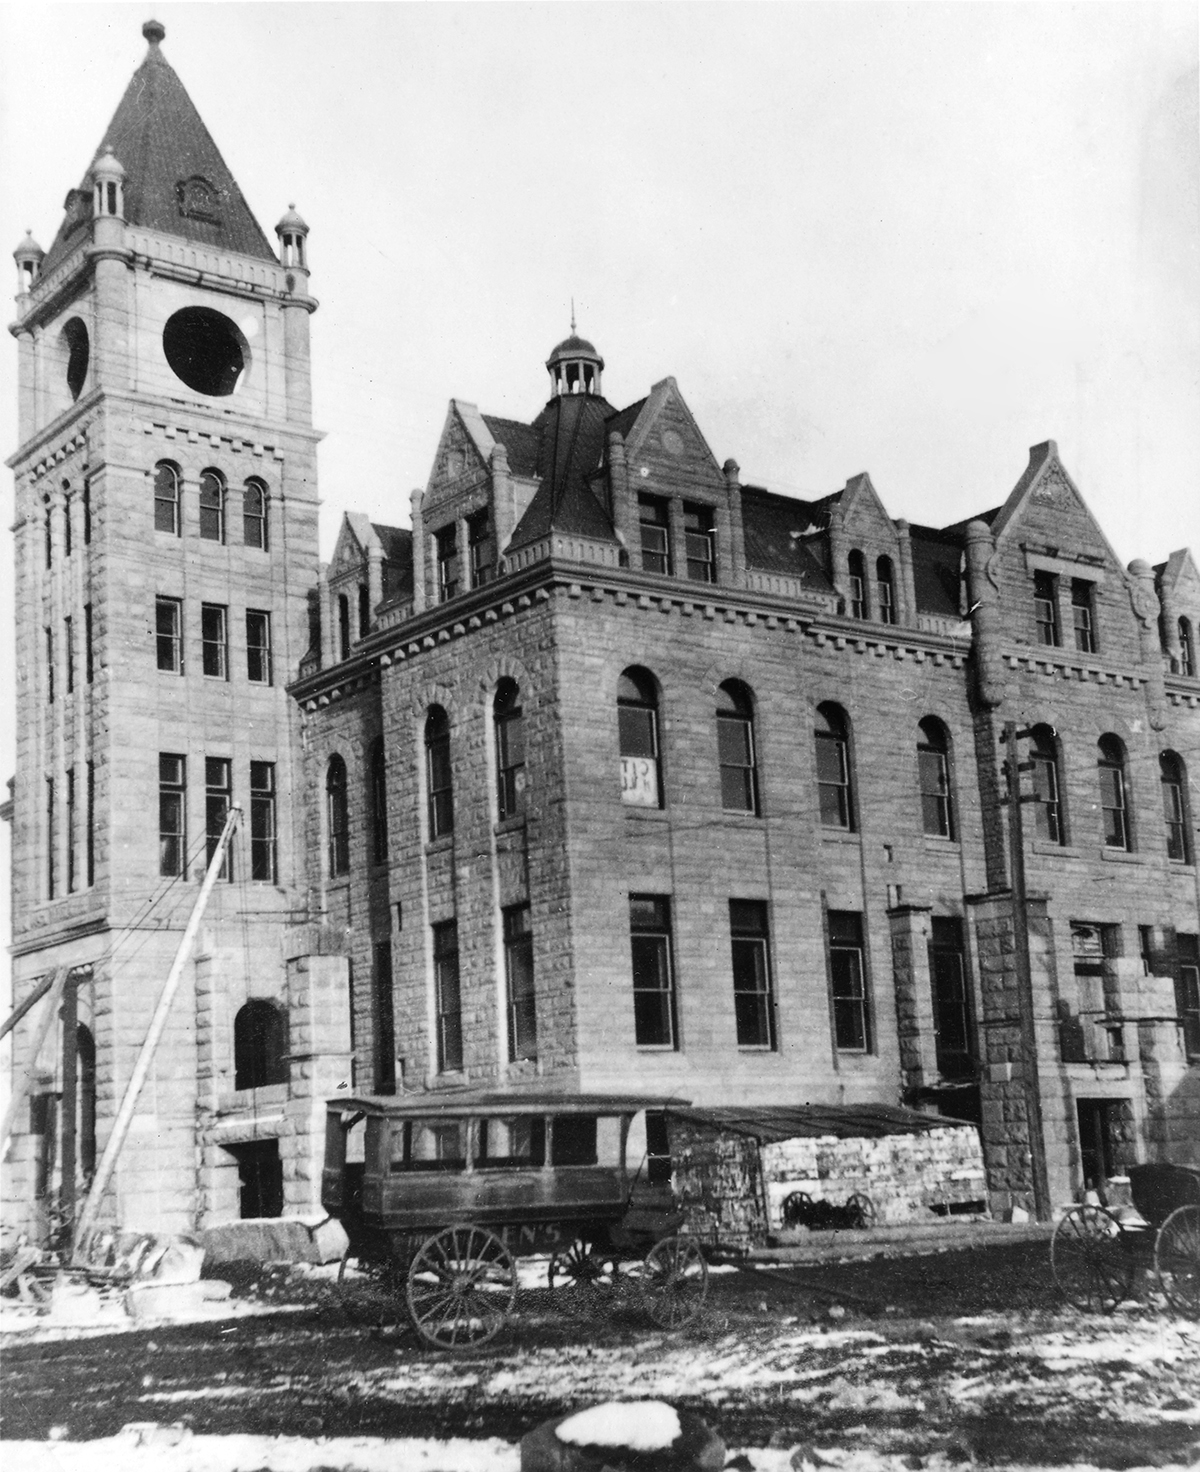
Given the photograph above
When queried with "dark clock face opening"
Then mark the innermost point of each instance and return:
(75, 336)
(205, 350)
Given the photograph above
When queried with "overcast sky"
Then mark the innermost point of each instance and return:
(908, 239)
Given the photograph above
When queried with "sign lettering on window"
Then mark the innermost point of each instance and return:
(639, 781)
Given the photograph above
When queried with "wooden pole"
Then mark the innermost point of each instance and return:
(57, 982)
(158, 1022)
(34, 997)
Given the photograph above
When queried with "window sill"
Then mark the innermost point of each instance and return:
(439, 845)
(510, 825)
(658, 1048)
(1121, 856)
(757, 1048)
(841, 835)
(937, 843)
(1186, 866)
(1056, 850)
(644, 814)
(729, 815)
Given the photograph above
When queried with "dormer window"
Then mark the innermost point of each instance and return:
(446, 549)
(858, 585)
(480, 549)
(198, 200)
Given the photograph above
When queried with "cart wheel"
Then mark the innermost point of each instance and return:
(796, 1208)
(583, 1278)
(674, 1282)
(461, 1287)
(370, 1287)
(1090, 1256)
(1177, 1259)
(861, 1210)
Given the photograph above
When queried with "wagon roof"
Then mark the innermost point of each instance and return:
(462, 1102)
(790, 1122)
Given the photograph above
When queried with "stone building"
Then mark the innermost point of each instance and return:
(613, 773)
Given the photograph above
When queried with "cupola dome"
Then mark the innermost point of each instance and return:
(574, 366)
(28, 256)
(292, 232)
(108, 183)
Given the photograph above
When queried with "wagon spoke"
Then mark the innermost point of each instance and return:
(1177, 1259)
(675, 1282)
(473, 1289)
(1091, 1258)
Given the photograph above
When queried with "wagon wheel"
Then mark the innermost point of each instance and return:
(370, 1286)
(674, 1282)
(1177, 1259)
(461, 1287)
(861, 1210)
(1091, 1260)
(584, 1278)
(796, 1208)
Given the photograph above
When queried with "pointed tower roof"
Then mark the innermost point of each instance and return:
(176, 181)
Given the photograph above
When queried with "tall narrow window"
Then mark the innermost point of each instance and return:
(438, 774)
(71, 850)
(857, 569)
(212, 506)
(445, 544)
(343, 607)
(480, 548)
(735, 748)
(834, 792)
(254, 515)
(1174, 797)
(637, 731)
(364, 611)
(653, 973)
(90, 846)
(848, 982)
(1083, 615)
(259, 1046)
(1113, 796)
(263, 849)
(885, 590)
(954, 1038)
(49, 666)
(518, 973)
(89, 648)
(1187, 993)
(1187, 650)
(86, 499)
(214, 640)
(172, 814)
(654, 528)
(258, 646)
(218, 796)
(933, 766)
(85, 1046)
(166, 498)
(1045, 607)
(168, 631)
(510, 749)
(385, 1018)
(753, 998)
(69, 650)
(377, 800)
(447, 997)
(700, 543)
(49, 536)
(1047, 814)
(67, 541)
(337, 818)
(51, 841)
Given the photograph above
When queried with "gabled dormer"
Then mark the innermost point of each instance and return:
(1178, 585)
(870, 556)
(371, 568)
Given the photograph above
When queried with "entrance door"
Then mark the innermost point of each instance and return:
(1097, 1118)
(260, 1178)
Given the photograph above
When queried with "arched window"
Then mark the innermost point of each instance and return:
(254, 514)
(885, 591)
(437, 772)
(834, 792)
(735, 748)
(343, 626)
(166, 498)
(1187, 650)
(85, 1048)
(1047, 786)
(212, 506)
(510, 749)
(337, 818)
(259, 1046)
(933, 766)
(1174, 796)
(377, 801)
(364, 611)
(1114, 802)
(637, 728)
(858, 585)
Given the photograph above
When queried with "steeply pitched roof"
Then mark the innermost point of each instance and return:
(519, 440)
(774, 527)
(160, 140)
(937, 560)
(570, 433)
(396, 542)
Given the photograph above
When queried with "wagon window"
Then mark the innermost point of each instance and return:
(428, 1145)
(574, 1139)
(608, 1140)
(519, 1140)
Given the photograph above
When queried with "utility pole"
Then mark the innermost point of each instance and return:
(1025, 1002)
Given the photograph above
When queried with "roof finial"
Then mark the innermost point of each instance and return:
(154, 31)
(572, 316)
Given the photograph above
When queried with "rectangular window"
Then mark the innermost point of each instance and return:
(166, 501)
(653, 978)
(1083, 615)
(90, 852)
(50, 666)
(51, 840)
(447, 999)
(700, 543)
(172, 815)
(218, 795)
(885, 599)
(1187, 993)
(214, 640)
(848, 982)
(655, 534)
(480, 549)
(954, 1038)
(168, 630)
(68, 632)
(518, 971)
(446, 547)
(1045, 607)
(71, 874)
(753, 999)
(258, 646)
(385, 1019)
(1086, 1034)
(1047, 812)
(263, 851)
(89, 647)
